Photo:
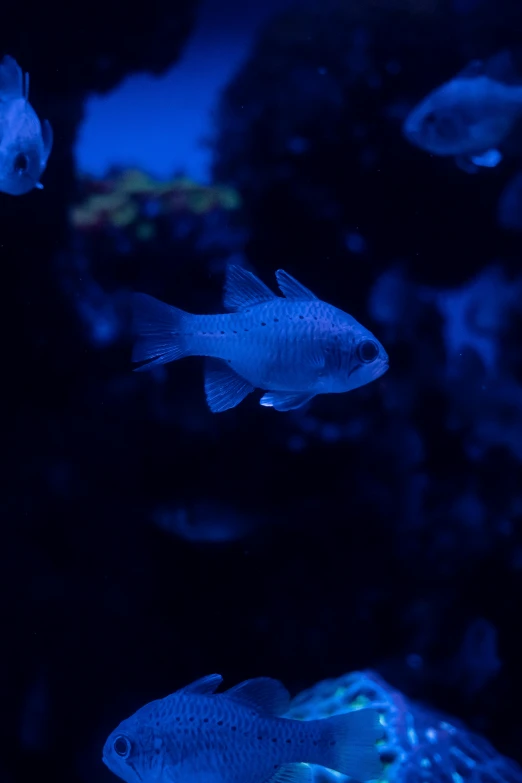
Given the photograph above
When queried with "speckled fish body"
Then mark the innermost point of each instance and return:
(238, 737)
(25, 143)
(294, 347)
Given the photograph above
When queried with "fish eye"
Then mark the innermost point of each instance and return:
(21, 163)
(367, 351)
(122, 746)
(430, 118)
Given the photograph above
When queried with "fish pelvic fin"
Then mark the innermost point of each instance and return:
(351, 744)
(159, 331)
(285, 401)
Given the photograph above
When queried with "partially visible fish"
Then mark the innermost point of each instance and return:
(205, 522)
(25, 143)
(472, 117)
(239, 737)
(293, 347)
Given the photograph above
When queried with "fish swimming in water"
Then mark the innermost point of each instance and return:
(25, 143)
(293, 347)
(473, 117)
(239, 736)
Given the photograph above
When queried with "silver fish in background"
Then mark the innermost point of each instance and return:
(473, 117)
(293, 347)
(239, 737)
(25, 143)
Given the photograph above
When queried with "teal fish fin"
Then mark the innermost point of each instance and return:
(39, 186)
(263, 693)
(207, 684)
(224, 388)
(285, 401)
(291, 287)
(466, 165)
(293, 773)
(349, 743)
(488, 159)
(11, 79)
(243, 289)
(158, 328)
(47, 138)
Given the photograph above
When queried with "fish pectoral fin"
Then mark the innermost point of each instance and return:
(291, 287)
(207, 684)
(47, 138)
(285, 401)
(243, 289)
(264, 693)
(292, 773)
(11, 78)
(488, 159)
(224, 388)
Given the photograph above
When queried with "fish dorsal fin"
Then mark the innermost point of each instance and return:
(262, 693)
(47, 138)
(207, 684)
(243, 289)
(500, 67)
(472, 70)
(291, 287)
(11, 78)
(504, 68)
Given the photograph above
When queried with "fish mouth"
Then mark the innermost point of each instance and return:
(380, 368)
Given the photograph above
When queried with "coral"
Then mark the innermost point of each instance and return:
(419, 746)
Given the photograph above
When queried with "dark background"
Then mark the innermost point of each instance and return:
(387, 520)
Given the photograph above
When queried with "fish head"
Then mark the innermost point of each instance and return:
(354, 358)
(134, 751)
(25, 146)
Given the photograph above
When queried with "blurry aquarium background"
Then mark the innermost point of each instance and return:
(373, 536)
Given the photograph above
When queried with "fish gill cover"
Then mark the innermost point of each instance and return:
(147, 541)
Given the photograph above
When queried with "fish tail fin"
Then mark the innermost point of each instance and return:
(351, 744)
(159, 330)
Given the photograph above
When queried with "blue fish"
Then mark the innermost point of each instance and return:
(473, 117)
(239, 736)
(293, 347)
(25, 143)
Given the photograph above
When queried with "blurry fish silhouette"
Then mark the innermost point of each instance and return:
(293, 347)
(239, 737)
(25, 144)
(471, 117)
(203, 522)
